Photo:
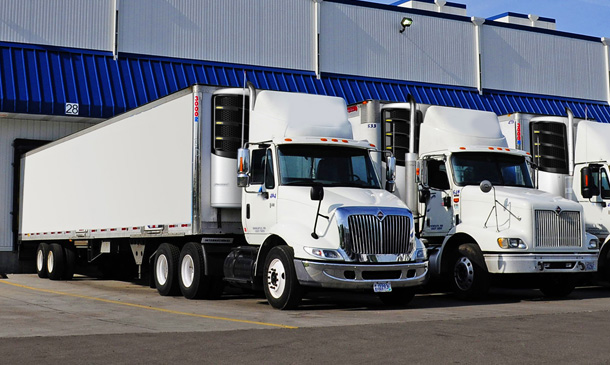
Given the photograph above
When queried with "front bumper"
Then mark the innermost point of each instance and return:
(359, 276)
(540, 263)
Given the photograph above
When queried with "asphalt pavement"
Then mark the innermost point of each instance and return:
(93, 321)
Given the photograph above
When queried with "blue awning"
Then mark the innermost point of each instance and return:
(41, 80)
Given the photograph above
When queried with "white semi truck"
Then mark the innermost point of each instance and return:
(476, 207)
(160, 184)
(571, 157)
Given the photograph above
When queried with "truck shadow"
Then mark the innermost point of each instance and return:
(354, 301)
(429, 297)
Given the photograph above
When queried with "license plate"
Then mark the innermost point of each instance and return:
(384, 287)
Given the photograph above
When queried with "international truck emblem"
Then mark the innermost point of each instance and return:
(380, 215)
(558, 210)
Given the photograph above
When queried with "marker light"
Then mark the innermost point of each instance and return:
(505, 242)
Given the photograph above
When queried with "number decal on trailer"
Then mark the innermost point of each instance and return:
(372, 125)
(71, 108)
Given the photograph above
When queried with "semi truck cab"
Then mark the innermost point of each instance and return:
(476, 207)
(317, 209)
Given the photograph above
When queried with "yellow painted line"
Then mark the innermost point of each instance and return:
(147, 307)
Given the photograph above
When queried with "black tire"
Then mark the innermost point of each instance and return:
(166, 270)
(70, 262)
(41, 260)
(558, 286)
(194, 284)
(398, 297)
(55, 261)
(470, 279)
(281, 286)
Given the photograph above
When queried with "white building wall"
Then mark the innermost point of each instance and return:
(366, 42)
(268, 33)
(540, 63)
(62, 23)
(11, 129)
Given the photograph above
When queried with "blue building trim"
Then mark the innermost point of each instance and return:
(395, 8)
(41, 80)
(454, 5)
(519, 15)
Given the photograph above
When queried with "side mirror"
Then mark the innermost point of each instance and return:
(243, 167)
(424, 195)
(588, 188)
(422, 173)
(390, 174)
(390, 186)
(485, 186)
(316, 192)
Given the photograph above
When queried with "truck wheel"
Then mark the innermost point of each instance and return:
(41, 260)
(55, 261)
(398, 297)
(70, 262)
(282, 289)
(470, 279)
(194, 284)
(166, 270)
(558, 286)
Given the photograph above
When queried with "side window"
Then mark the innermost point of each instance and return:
(269, 180)
(605, 185)
(257, 167)
(437, 175)
(595, 173)
(262, 168)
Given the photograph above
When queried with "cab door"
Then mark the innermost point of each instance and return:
(260, 197)
(438, 204)
(597, 208)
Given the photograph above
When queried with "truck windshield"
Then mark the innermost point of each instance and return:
(306, 165)
(470, 168)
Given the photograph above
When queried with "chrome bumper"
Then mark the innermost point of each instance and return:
(537, 263)
(359, 276)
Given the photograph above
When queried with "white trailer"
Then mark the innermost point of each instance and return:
(159, 184)
(572, 158)
(475, 204)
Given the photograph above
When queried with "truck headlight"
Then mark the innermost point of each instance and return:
(505, 242)
(593, 244)
(421, 252)
(323, 253)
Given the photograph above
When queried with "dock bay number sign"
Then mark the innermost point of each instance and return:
(71, 108)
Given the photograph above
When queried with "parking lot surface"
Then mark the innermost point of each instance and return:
(89, 320)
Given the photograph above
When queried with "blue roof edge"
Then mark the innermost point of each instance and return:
(104, 87)
(454, 5)
(519, 15)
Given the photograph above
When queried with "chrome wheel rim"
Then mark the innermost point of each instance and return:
(162, 269)
(464, 273)
(187, 271)
(40, 260)
(50, 261)
(276, 278)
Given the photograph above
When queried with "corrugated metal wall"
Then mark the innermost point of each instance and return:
(10, 129)
(63, 23)
(539, 63)
(356, 38)
(366, 42)
(268, 33)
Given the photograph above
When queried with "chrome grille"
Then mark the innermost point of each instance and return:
(558, 230)
(370, 235)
